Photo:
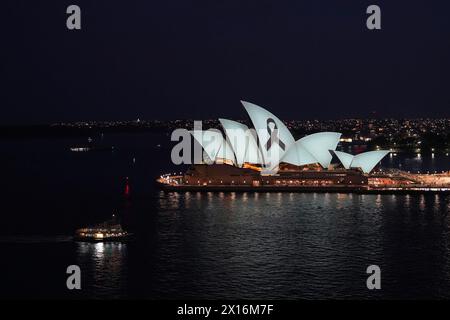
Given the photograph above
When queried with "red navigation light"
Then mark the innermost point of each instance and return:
(127, 188)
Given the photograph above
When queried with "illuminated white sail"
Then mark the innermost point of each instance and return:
(320, 144)
(368, 160)
(274, 137)
(298, 155)
(225, 154)
(242, 141)
(345, 158)
(210, 140)
(365, 161)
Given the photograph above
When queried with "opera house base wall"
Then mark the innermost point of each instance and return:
(219, 174)
(306, 189)
(227, 178)
(217, 188)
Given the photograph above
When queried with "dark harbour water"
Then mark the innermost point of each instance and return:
(208, 245)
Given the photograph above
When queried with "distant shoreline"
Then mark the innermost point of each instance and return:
(51, 131)
(419, 136)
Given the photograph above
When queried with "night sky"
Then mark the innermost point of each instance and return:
(176, 59)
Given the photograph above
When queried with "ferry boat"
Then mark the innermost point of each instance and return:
(109, 230)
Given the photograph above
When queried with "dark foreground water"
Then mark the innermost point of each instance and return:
(208, 245)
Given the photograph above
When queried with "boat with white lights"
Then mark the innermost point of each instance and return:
(110, 230)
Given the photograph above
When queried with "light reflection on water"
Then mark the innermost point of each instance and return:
(298, 245)
(437, 203)
(218, 245)
(103, 265)
(407, 201)
(279, 245)
(422, 203)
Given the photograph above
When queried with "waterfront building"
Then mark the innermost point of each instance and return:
(267, 156)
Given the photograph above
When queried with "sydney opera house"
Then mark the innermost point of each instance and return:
(267, 157)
